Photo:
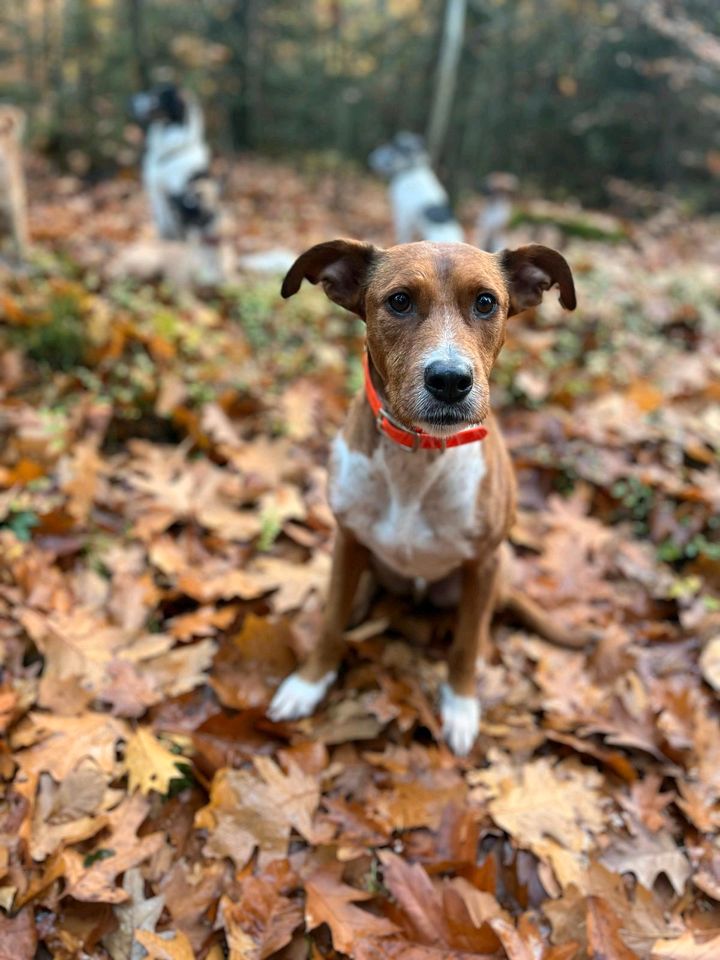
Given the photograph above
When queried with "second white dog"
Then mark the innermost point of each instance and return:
(175, 163)
(420, 205)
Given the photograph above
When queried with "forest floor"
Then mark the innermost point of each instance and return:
(165, 543)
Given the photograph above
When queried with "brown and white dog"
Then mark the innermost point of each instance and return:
(13, 203)
(420, 481)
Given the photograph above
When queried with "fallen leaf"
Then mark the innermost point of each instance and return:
(292, 583)
(331, 901)
(253, 662)
(261, 922)
(18, 936)
(295, 792)
(69, 812)
(647, 855)
(686, 947)
(151, 766)
(453, 914)
(243, 814)
(710, 662)
(138, 913)
(159, 947)
(540, 799)
(603, 932)
(91, 877)
(60, 744)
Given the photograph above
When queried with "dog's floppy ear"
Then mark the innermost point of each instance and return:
(341, 266)
(532, 270)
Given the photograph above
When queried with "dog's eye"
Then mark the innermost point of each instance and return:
(400, 302)
(485, 304)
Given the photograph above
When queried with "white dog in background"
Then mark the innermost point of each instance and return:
(500, 191)
(175, 168)
(420, 205)
(192, 248)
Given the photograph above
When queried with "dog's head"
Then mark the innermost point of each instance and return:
(164, 103)
(435, 315)
(404, 152)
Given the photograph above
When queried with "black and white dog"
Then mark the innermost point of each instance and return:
(183, 196)
(500, 190)
(420, 205)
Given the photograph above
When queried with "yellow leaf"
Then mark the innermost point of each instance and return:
(160, 949)
(151, 766)
(645, 396)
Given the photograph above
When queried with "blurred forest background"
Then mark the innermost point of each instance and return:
(166, 538)
(568, 95)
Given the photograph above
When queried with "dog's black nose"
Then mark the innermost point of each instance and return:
(450, 382)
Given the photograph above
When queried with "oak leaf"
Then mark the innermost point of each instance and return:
(191, 889)
(396, 949)
(686, 947)
(138, 913)
(59, 744)
(453, 914)
(253, 662)
(68, 813)
(18, 936)
(647, 855)
(710, 662)
(292, 583)
(180, 670)
(413, 890)
(331, 901)
(603, 932)
(92, 877)
(243, 814)
(297, 793)
(415, 804)
(159, 947)
(151, 766)
(261, 922)
(542, 799)
(646, 804)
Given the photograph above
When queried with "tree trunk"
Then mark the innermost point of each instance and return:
(446, 79)
(137, 32)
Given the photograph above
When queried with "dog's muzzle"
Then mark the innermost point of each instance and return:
(448, 382)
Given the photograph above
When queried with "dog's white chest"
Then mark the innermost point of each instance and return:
(417, 512)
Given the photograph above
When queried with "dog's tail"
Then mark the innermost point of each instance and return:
(531, 615)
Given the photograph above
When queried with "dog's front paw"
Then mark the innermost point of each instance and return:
(460, 720)
(296, 698)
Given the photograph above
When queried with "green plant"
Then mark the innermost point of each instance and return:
(61, 342)
(636, 501)
(21, 522)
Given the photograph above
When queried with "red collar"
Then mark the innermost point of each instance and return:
(413, 439)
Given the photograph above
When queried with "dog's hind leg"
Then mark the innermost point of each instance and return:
(300, 693)
(531, 615)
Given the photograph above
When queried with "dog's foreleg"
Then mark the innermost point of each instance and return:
(164, 217)
(300, 693)
(459, 706)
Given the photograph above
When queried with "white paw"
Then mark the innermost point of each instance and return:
(460, 720)
(296, 698)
